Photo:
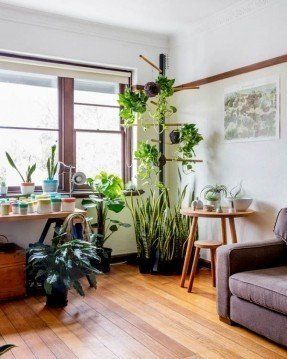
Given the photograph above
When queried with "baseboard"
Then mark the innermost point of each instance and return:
(126, 257)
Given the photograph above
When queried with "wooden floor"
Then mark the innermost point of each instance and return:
(130, 316)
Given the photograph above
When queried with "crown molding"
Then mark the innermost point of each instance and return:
(23, 15)
(222, 18)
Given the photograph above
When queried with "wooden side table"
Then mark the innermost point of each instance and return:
(193, 229)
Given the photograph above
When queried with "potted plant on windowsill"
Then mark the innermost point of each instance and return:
(60, 266)
(51, 184)
(3, 186)
(107, 197)
(27, 186)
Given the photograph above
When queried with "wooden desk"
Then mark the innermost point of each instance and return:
(52, 217)
(193, 229)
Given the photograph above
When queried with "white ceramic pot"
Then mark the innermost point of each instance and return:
(27, 188)
(240, 204)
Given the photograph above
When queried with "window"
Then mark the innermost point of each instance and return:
(80, 114)
(28, 122)
(97, 128)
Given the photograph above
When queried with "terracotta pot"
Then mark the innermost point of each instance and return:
(27, 188)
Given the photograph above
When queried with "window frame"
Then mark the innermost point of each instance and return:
(67, 133)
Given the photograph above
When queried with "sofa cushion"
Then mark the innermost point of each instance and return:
(265, 287)
(280, 227)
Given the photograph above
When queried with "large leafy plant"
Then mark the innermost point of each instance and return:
(189, 138)
(30, 170)
(148, 157)
(62, 264)
(107, 197)
(52, 166)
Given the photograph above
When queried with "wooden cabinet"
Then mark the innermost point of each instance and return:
(12, 272)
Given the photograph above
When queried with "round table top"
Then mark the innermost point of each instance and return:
(188, 211)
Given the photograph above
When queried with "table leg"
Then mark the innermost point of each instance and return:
(232, 230)
(223, 230)
(189, 247)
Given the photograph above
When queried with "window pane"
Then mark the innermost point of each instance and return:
(26, 146)
(98, 152)
(28, 100)
(96, 92)
(97, 118)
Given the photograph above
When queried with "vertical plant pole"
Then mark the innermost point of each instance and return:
(162, 66)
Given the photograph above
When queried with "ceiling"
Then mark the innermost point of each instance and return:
(161, 16)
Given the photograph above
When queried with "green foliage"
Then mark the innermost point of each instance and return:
(213, 192)
(189, 138)
(30, 170)
(5, 348)
(148, 156)
(61, 264)
(133, 103)
(51, 165)
(108, 196)
(159, 225)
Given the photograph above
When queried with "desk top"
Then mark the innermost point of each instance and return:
(202, 213)
(34, 216)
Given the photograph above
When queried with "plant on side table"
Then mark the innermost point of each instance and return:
(108, 197)
(51, 184)
(212, 194)
(60, 266)
(27, 186)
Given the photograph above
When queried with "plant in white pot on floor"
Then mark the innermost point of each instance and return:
(51, 184)
(213, 194)
(27, 186)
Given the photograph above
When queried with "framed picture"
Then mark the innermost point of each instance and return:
(251, 111)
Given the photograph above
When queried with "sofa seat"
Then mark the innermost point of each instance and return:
(265, 287)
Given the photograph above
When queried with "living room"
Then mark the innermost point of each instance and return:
(142, 179)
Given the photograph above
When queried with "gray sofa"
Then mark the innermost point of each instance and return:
(252, 287)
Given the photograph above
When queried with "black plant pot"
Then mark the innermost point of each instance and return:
(165, 267)
(58, 298)
(174, 137)
(105, 255)
(145, 265)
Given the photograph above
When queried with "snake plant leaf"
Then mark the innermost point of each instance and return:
(5, 348)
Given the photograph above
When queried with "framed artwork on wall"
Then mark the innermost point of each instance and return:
(251, 111)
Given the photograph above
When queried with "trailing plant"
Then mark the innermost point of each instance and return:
(213, 192)
(51, 165)
(30, 170)
(148, 156)
(189, 138)
(62, 264)
(133, 105)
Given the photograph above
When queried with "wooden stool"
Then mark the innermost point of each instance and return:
(207, 245)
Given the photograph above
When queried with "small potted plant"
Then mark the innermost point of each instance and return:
(60, 266)
(51, 184)
(3, 186)
(27, 186)
(107, 197)
(237, 200)
(212, 194)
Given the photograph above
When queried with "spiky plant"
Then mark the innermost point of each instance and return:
(51, 165)
(30, 170)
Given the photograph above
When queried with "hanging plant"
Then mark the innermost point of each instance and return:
(133, 105)
(189, 138)
(152, 89)
(162, 108)
(148, 156)
(174, 136)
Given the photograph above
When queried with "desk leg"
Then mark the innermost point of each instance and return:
(223, 230)
(232, 230)
(189, 247)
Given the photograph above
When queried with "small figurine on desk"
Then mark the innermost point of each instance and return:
(199, 203)
(194, 205)
(219, 209)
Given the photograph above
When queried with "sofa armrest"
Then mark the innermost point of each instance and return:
(242, 257)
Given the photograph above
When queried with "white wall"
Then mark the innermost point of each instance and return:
(30, 32)
(261, 165)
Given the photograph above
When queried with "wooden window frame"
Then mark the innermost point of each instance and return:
(67, 137)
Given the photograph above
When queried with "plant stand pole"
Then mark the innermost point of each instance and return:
(162, 66)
